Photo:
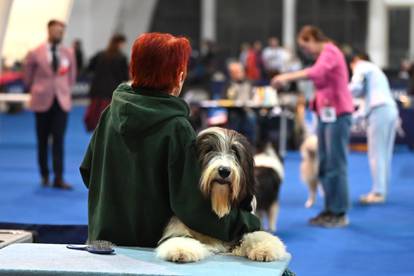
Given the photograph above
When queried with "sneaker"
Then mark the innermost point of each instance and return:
(60, 184)
(320, 218)
(330, 220)
(336, 221)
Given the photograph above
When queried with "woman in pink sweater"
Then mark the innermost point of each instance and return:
(333, 105)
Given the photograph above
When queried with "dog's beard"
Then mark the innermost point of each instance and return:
(220, 195)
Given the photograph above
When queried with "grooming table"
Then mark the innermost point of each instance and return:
(53, 259)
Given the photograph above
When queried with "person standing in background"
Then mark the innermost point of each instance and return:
(109, 68)
(240, 90)
(244, 50)
(77, 49)
(254, 63)
(49, 73)
(273, 57)
(369, 82)
(258, 48)
(410, 73)
(334, 106)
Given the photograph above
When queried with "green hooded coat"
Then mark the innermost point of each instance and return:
(141, 169)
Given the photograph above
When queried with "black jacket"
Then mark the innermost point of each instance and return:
(107, 73)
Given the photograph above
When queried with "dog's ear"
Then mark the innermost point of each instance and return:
(246, 203)
(204, 143)
(247, 164)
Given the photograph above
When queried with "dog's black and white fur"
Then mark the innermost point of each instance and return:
(228, 181)
(269, 174)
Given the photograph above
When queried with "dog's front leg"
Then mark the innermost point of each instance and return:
(182, 250)
(313, 187)
(261, 246)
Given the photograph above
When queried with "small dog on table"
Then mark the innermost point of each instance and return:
(228, 180)
(309, 167)
(269, 173)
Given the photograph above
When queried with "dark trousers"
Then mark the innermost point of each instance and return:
(51, 123)
(333, 141)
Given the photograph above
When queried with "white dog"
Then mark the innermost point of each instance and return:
(309, 168)
(228, 180)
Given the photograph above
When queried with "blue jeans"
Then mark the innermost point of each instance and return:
(382, 127)
(333, 141)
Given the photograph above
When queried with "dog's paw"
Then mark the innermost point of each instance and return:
(182, 250)
(263, 247)
(261, 255)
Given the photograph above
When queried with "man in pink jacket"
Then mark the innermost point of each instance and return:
(49, 73)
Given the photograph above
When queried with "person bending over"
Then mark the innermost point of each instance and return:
(141, 166)
(369, 82)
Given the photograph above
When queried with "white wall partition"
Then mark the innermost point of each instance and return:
(94, 21)
(5, 6)
(208, 20)
(27, 25)
(288, 25)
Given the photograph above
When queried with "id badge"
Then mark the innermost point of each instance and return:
(328, 114)
(64, 66)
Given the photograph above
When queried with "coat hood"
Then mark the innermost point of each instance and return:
(134, 111)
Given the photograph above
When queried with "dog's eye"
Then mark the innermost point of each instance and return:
(205, 150)
(236, 152)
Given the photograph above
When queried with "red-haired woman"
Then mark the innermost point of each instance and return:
(141, 167)
(333, 104)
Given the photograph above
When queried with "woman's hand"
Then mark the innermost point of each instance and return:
(279, 81)
(282, 79)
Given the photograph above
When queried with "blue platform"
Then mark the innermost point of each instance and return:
(379, 240)
(52, 259)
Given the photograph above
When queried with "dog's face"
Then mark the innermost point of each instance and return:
(227, 169)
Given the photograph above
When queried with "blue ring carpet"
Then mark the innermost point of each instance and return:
(379, 240)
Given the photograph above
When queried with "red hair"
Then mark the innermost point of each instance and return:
(157, 60)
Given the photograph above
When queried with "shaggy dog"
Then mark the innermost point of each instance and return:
(269, 174)
(309, 168)
(228, 181)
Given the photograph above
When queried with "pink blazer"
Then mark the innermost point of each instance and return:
(44, 84)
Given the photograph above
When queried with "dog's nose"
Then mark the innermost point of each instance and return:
(224, 172)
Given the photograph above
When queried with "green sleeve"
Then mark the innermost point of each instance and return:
(189, 204)
(86, 166)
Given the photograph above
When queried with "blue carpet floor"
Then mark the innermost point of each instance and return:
(379, 241)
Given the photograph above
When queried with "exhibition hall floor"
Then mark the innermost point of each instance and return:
(379, 240)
